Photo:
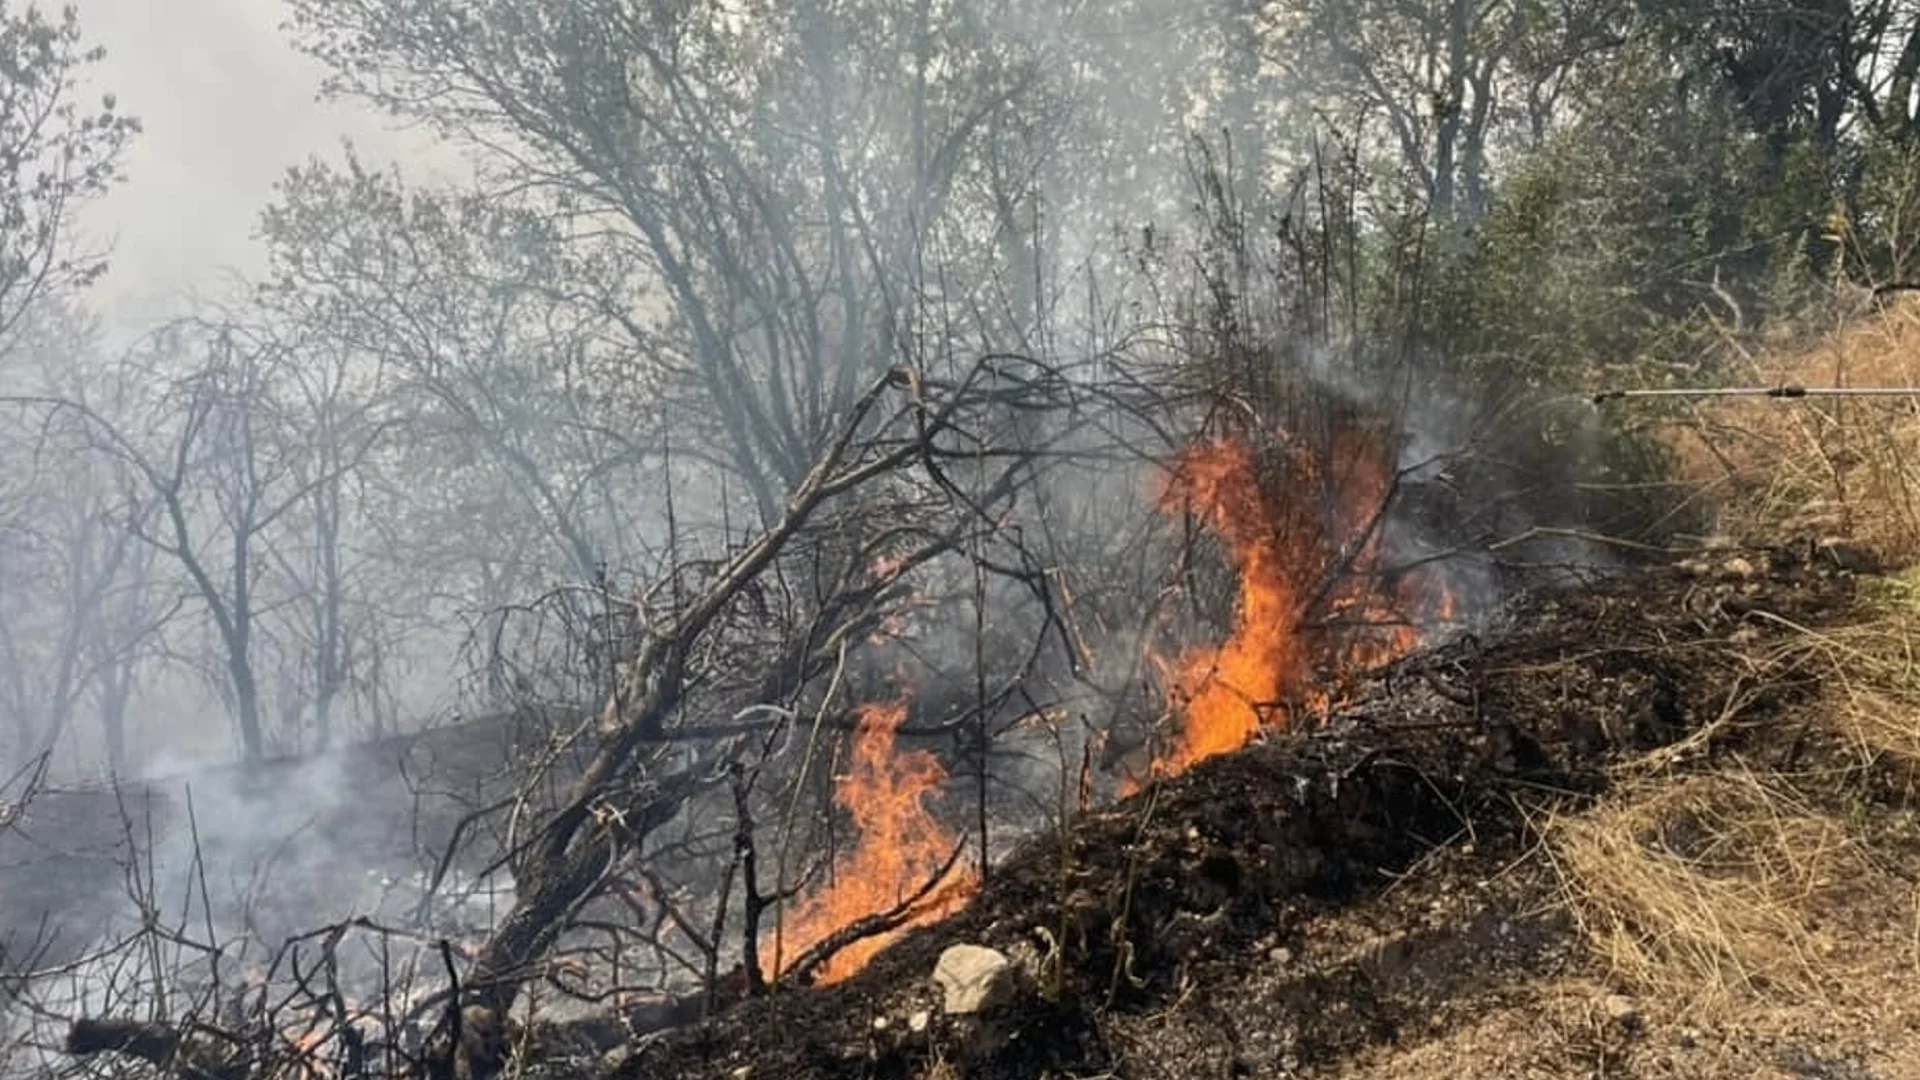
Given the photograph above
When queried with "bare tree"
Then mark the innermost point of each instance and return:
(767, 184)
(83, 608)
(515, 396)
(329, 617)
(221, 463)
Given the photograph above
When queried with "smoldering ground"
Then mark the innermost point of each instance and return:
(187, 887)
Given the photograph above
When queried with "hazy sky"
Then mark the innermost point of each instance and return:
(228, 105)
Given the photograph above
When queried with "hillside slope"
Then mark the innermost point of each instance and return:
(1376, 899)
(1658, 825)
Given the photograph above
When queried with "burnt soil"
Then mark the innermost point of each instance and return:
(1328, 897)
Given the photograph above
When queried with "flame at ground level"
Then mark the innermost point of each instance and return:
(898, 848)
(1310, 601)
(1313, 610)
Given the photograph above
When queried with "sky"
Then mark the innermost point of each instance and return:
(228, 105)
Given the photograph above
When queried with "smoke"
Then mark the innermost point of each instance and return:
(195, 883)
(1024, 682)
(227, 105)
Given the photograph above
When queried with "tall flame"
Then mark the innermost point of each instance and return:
(1309, 600)
(1226, 693)
(899, 847)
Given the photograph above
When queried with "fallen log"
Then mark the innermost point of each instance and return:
(205, 1057)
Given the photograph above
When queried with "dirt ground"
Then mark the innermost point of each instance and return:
(1622, 836)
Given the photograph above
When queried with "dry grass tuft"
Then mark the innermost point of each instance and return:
(1708, 890)
(1870, 674)
(1735, 886)
(1847, 468)
(1872, 690)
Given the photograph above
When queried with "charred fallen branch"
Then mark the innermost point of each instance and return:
(205, 1057)
(804, 967)
(891, 450)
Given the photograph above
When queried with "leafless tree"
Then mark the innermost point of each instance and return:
(220, 463)
(84, 608)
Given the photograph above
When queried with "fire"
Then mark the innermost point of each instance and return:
(898, 849)
(1310, 601)
(1225, 693)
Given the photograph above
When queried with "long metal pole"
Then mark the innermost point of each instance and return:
(1787, 391)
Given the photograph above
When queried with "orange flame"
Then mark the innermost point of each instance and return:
(898, 850)
(1227, 692)
(1309, 599)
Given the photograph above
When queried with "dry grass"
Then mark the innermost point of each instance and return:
(1871, 676)
(1708, 891)
(1847, 468)
(1759, 920)
(1744, 899)
(1738, 887)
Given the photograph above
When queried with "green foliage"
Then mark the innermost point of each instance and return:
(55, 154)
(1878, 234)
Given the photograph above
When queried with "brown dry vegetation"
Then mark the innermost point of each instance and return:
(1838, 467)
(1756, 911)
(1748, 904)
(1750, 912)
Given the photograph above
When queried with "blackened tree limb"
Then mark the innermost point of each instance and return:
(157, 1044)
(577, 846)
(809, 962)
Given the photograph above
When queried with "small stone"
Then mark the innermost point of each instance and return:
(880, 1023)
(1845, 555)
(1280, 955)
(918, 1022)
(1739, 568)
(973, 978)
(744, 1072)
(1621, 1010)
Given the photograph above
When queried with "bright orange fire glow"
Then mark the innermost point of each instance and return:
(898, 849)
(1310, 609)
(1225, 693)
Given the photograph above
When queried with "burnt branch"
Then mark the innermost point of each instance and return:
(802, 971)
(159, 1045)
(572, 852)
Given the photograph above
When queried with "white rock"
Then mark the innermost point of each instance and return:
(974, 978)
